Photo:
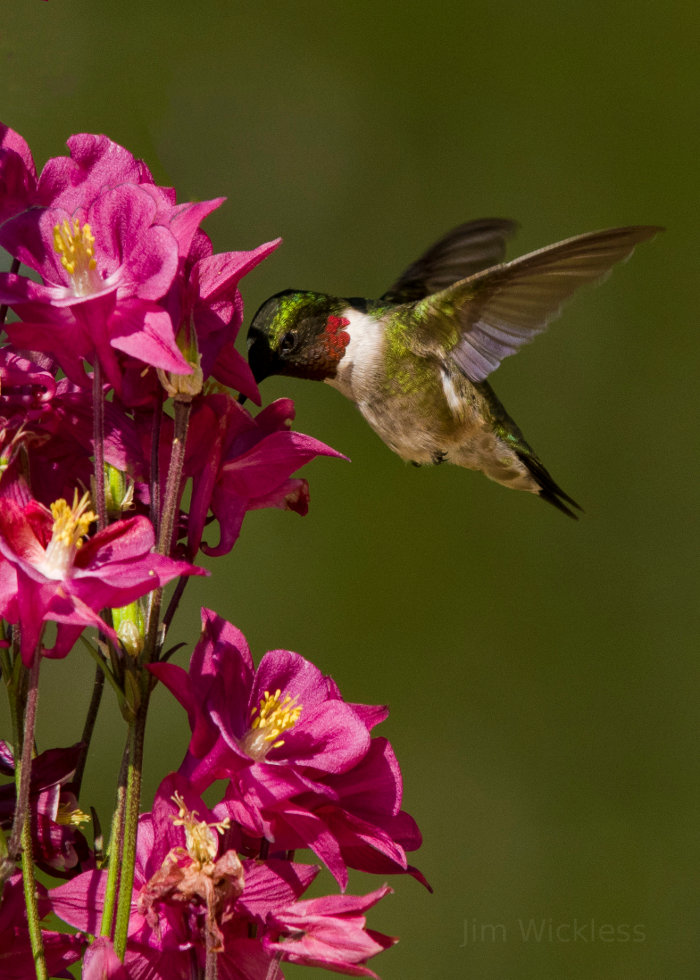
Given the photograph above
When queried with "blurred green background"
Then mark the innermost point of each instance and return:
(542, 674)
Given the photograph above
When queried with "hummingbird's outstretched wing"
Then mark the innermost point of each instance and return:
(492, 314)
(467, 249)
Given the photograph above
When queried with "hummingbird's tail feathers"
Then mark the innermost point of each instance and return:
(462, 252)
(549, 490)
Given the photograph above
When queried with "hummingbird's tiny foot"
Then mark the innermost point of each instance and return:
(440, 457)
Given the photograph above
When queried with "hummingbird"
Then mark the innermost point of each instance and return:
(416, 360)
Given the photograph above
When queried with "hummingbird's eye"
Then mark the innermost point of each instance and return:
(287, 342)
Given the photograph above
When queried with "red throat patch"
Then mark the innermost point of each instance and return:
(335, 338)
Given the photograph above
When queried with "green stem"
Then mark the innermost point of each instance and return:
(21, 836)
(137, 731)
(151, 650)
(30, 900)
(116, 841)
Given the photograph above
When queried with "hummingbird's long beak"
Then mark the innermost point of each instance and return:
(260, 358)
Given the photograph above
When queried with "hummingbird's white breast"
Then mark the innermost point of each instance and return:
(360, 369)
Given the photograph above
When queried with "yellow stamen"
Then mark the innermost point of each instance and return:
(68, 816)
(76, 246)
(274, 716)
(202, 844)
(70, 526)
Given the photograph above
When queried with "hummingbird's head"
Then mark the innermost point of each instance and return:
(297, 334)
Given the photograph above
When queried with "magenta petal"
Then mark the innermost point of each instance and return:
(152, 264)
(145, 331)
(218, 272)
(177, 681)
(29, 237)
(95, 162)
(273, 884)
(102, 963)
(184, 220)
(8, 591)
(11, 140)
(80, 901)
(279, 414)
(123, 539)
(341, 904)
(316, 836)
(232, 370)
(292, 674)
(273, 460)
(329, 932)
(374, 787)
(331, 738)
(119, 218)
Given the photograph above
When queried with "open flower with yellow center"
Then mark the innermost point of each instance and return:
(52, 571)
(193, 894)
(302, 767)
(69, 529)
(285, 718)
(104, 268)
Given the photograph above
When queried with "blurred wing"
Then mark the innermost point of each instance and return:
(494, 313)
(460, 253)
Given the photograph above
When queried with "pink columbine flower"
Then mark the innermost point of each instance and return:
(240, 463)
(329, 932)
(62, 576)
(284, 716)
(103, 269)
(302, 768)
(192, 891)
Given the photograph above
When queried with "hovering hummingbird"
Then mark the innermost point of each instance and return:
(415, 361)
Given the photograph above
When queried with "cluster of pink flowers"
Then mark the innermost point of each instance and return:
(117, 378)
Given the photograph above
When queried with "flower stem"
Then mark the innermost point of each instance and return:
(171, 502)
(116, 840)
(21, 836)
(30, 900)
(137, 726)
(23, 764)
(98, 441)
(88, 728)
(155, 464)
(136, 738)
(175, 599)
(172, 488)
